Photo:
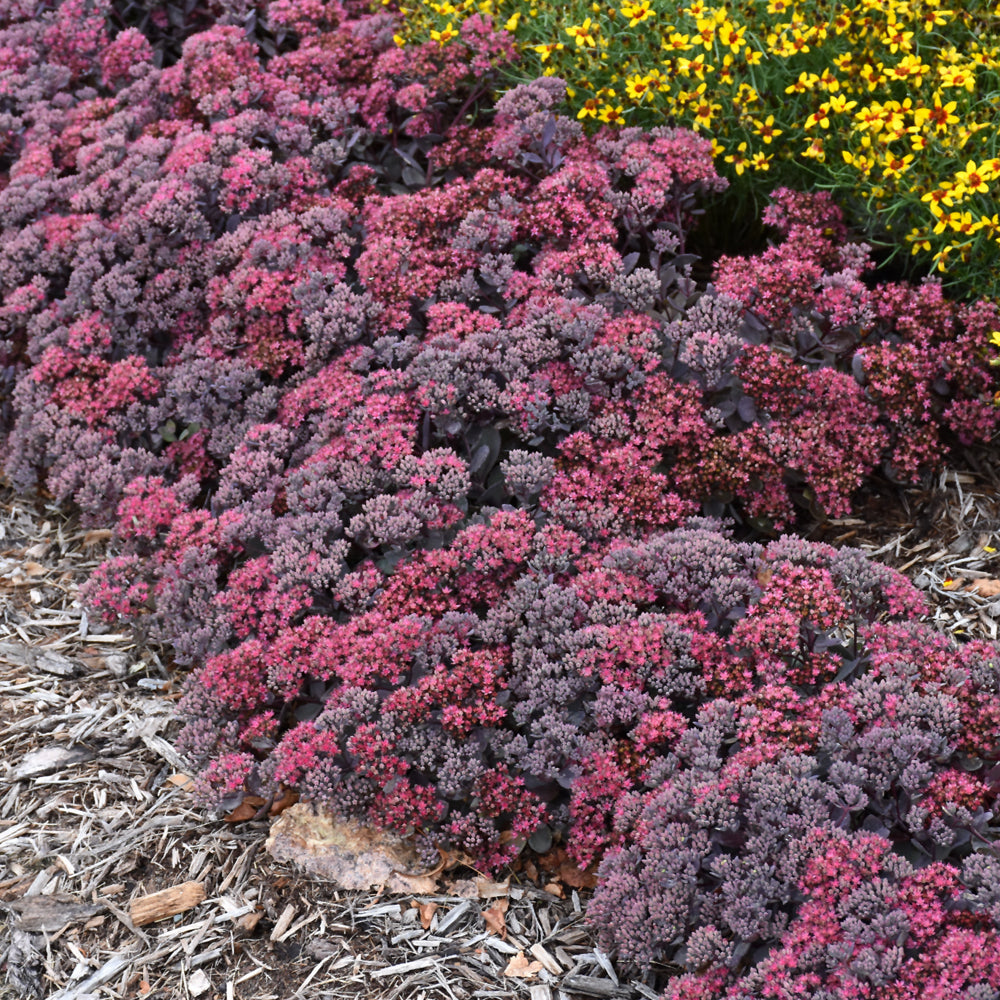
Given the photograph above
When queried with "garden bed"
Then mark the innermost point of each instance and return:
(457, 482)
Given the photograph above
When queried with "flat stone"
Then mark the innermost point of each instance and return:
(352, 856)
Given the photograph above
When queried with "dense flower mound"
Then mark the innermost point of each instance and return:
(845, 848)
(428, 455)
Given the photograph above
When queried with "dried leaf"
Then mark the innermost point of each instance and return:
(144, 987)
(426, 911)
(492, 890)
(495, 919)
(247, 809)
(250, 920)
(575, 877)
(181, 780)
(555, 889)
(464, 888)
(32, 569)
(520, 968)
(286, 801)
(984, 588)
(97, 536)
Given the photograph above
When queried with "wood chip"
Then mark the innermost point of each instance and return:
(166, 903)
(283, 922)
(405, 967)
(589, 986)
(49, 760)
(51, 913)
(546, 958)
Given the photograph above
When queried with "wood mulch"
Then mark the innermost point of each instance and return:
(95, 818)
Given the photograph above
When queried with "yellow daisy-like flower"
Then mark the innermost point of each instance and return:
(610, 115)
(637, 12)
(638, 87)
(894, 165)
(584, 34)
(806, 81)
(444, 36)
(739, 159)
(676, 42)
(544, 51)
(972, 179)
(765, 129)
(815, 151)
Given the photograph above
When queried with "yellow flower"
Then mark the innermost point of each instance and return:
(899, 40)
(703, 111)
(706, 31)
(760, 161)
(840, 103)
(583, 33)
(676, 43)
(957, 76)
(546, 50)
(638, 87)
(995, 338)
(820, 117)
(895, 165)
(731, 35)
(828, 81)
(739, 158)
(511, 23)
(610, 115)
(589, 108)
(806, 81)
(972, 179)
(932, 18)
(445, 36)
(860, 162)
(765, 129)
(815, 151)
(941, 114)
(696, 67)
(637, 12)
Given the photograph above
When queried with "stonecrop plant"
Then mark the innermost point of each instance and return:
(890, 105)
(466, 505)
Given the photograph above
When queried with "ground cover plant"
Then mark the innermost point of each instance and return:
(889, 105)
(464, 501)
